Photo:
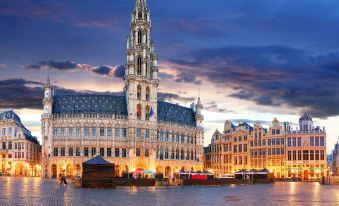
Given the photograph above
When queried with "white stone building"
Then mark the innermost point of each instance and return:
(136, 132)
(20, 152)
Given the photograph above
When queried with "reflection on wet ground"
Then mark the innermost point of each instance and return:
(34, 191)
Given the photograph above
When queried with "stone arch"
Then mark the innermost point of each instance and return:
(78, 169)
(159, 170)
(69, 171)
(168, 172)
(117, 170)
(54, 171)
(19, 169)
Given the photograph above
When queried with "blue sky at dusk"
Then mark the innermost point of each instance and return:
(253, 60)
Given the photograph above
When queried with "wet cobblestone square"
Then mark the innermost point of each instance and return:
(34, 191)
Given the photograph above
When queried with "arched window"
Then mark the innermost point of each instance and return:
(139, 37)
(182, 154)
(177, 154)
(139, 92)
(161, 153)
(147, 112)
(147, 94)
(188, 155)
(172, 154)
(147, 70)
(140, 15)
(166, 153)
(139, 66)
(139, 111)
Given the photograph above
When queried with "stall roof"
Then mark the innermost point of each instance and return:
(98, 160)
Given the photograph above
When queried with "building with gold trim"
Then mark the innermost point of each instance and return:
(288, 153)
(20, 152)
(136, 131)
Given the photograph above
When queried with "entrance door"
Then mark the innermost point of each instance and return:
(54, 171)
(306, 174)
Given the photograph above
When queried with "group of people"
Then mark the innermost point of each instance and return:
(62, 180)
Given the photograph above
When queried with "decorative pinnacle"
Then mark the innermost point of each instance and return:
(48, 82)
(140, 3)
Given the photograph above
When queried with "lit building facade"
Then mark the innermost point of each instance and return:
(137, 132)
(287, 153)
(20, 152)
(334, 164)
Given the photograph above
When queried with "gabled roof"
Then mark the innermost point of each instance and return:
(98, 160)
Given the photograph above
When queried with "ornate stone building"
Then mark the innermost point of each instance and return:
(285, 152)
(137, 132)
(20, 152)
(334, 164)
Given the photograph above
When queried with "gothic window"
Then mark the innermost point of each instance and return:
(139, 111)
(166, 153)
(139, 37)
(140, 15)
(147, 112)
(147, 94)
(139, 66)
(139, 92)
(147, 71)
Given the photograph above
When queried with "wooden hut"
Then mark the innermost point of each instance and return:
(98, 173)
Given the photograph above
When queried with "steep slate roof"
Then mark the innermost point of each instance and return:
(110, 104)
(89, 103)
(8, 115)
(173, 113)
(305, 116)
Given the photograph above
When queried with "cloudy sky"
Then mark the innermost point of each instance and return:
(252, 60)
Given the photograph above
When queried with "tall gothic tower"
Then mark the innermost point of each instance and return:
(141, 70)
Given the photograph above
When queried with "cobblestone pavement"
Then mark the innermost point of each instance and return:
(34, 191)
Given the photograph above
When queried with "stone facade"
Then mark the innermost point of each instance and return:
(20, 152)
(287, 153)
(136, 132)
(335, 160)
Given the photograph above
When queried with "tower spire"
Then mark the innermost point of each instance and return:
(48, 81)
(140, 3)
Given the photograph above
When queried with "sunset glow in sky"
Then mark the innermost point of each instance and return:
(252, 60)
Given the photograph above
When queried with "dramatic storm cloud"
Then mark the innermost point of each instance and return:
(269, 75)
(117, 71)
(249, 58)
